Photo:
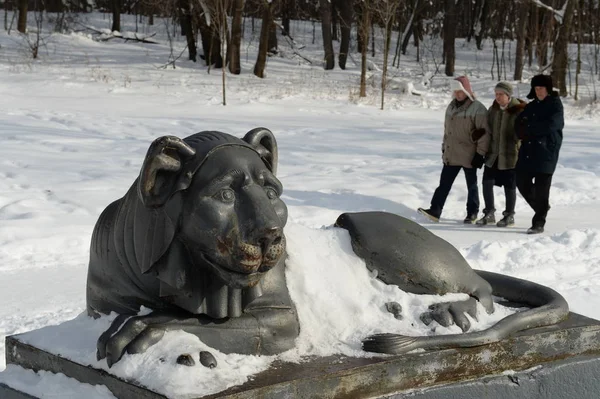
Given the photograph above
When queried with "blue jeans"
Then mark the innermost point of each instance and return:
(447, 178)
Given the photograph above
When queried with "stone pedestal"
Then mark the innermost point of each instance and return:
(559, 362)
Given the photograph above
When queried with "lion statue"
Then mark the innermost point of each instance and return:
(198, 239)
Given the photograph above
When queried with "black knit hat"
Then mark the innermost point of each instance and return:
(540, 81)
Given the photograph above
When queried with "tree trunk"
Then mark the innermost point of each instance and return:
(372, 39)
(22, 22)
(236, 37)
(410, 27)
(360, 38)
(116, 15)
(334, 21)
(546, 28)
(326, 29)
(263, 44)
(211, 42)
(468, 20)
(364, 33)
(52, 5)
(406, 39)
(579, 40)
(286, 15)
(477, 7)
(523, 15)
(482, 23)
(386, 51)
(532, 33)
(223, 34)
(346, 17)
(188, 28)
(561, 54)
(272, 38)
(449, 36)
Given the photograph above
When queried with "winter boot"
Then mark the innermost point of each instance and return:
(431, 214)
(470, 219)
(488, 218)
(507, 221)
(535, 230)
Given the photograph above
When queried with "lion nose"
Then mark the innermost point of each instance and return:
(270, 236)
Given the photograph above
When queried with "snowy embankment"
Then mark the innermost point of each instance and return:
(76, 124)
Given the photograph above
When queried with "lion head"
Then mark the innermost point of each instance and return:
(206, 219)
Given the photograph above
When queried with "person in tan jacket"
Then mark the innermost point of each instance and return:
(465, 143)
(502, 155)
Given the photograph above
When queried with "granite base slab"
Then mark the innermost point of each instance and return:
(572, 346)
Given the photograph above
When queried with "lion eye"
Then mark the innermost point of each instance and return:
(271, 193)
(226, 195)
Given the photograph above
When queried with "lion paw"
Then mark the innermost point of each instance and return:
(131, 334)
(449, 313)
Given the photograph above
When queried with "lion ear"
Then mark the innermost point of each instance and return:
(161, 169)
(263, 141)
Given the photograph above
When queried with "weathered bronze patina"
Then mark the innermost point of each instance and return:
(198, 239)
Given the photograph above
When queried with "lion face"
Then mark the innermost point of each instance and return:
(232, 218)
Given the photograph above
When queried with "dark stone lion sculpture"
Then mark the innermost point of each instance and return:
(198, 239)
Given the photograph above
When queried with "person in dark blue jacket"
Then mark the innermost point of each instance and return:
(540, 129)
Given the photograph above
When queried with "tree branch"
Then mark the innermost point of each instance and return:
(558, 14)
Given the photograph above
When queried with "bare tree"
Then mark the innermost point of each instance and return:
(481, 22)
(286, 14)
(188, 28)
(208, 25)
(560, 57)
(387, 14)
(116, 6)
(580, 11)
(346, 16)
(523, 17)
(221, 21)
(325, 8)
(236, 37)
(263, 45)
(363, 30)
(22, 21)
(412, 27)
(7, 5)
(449, 36)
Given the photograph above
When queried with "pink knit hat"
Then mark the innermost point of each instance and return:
(462, 84)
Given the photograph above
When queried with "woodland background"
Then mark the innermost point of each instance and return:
(539, 30)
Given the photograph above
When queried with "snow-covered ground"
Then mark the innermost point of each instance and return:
(75, 125)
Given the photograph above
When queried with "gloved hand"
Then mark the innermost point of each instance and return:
(478, 161)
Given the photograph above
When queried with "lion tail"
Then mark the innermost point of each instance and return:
(546, 307)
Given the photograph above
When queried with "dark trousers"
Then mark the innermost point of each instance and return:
(447, 178)
(535, 189)
(506, 178)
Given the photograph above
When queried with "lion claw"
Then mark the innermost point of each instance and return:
(208, 360)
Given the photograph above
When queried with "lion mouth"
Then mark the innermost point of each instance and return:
(235, 279)
(251, 264)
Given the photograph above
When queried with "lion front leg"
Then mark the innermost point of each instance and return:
(256, 332)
